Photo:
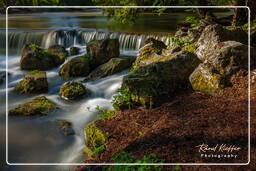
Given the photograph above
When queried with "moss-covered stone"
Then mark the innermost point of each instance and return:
(101, 51)
(59, 51)
(208, 80)
(34, 82)
(74, 51)
(113, 66)
(94, 139)
(72, 90)
(76, 67)
(33, 57)
(150, 53)
(37, 106)
(151, 84)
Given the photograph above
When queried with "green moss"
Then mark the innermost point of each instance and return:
(105, 114)
(95, 140)
(72, 90)
(38, 106)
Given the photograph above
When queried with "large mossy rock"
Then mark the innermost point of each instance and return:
(214, 74)
(34, 57)
(113, 66)
(101, 51)
(33, 82)
(95, 140)
(149, 85)
(207, 79)
(212, 37)
(72, 90)
(37, 106)
(150, 53)
(76, 67)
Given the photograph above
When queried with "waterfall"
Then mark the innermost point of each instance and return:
(67, 38)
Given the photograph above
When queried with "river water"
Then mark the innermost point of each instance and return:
(38, 139)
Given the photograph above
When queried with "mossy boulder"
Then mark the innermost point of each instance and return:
(113, 66)
(76, 67)
(151, 84)
(74, 51)
(72, 90)
(95, 139)
(101, 51)
(150, 53)
(34, 82)
(65, 127)
(208, 80)
(212, 37)
(58, 50)
(214, 74)
(37, 106)
(33, 57)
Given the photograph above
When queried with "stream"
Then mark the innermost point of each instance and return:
(38, 139)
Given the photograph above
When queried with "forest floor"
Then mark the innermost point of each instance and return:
(173, 130)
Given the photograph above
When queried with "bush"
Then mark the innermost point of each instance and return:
(123, 100)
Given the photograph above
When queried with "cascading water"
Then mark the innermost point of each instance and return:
(46, 38)
(44, 137)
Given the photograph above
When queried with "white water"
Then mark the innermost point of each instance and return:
(38, 139)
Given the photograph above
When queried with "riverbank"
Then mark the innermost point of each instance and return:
(173, 130)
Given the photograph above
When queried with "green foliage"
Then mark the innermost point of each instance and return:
(193, 20)
(98, 150)
(105, 114)
(173, 42)
(122, 100)
(124, 157)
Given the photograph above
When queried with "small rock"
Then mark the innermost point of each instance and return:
(101, 51)
(74, 51)
(113, 66)
(34, 82)
(65, 127)
(37, 106)
(76, 67)
(34, 57)
(72, 90)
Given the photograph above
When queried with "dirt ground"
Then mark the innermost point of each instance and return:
(173, 130)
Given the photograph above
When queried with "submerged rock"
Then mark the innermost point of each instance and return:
(72, 90)
(37, 106)
(74, 51)
(113, 66)
(33, 82)
(65, 127)
(33, 57)
(151, 84)
(101, 51)
(76, 67)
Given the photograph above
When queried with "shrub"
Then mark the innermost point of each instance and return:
(123, 100)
